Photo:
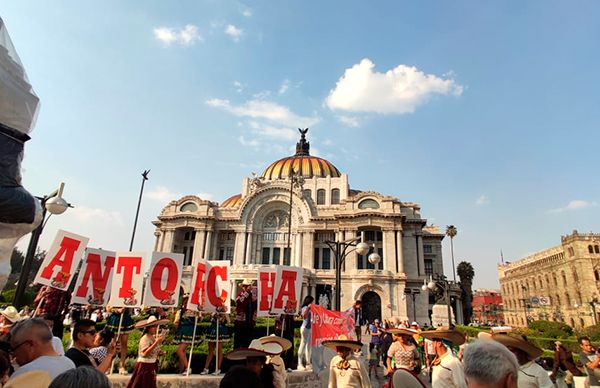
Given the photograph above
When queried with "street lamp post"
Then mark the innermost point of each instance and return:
(593, 303)
(298, 180)
(137, 212)
(341, 249)
(440, 282)
(54, 204)
(413, 292)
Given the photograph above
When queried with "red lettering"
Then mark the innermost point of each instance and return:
(267, 285)
(211, 286)
(164, 264)
(287, 288)
(93, 270)
(198, 293)
(68, 247)
(127, 265)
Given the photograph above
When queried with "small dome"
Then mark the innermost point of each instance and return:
(301, 163)
(232, 201)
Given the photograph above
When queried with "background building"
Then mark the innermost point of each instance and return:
(558, 284)
(487, 307)
(253, 228)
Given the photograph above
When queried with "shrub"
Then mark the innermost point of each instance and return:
(549, 329)
(593, 332)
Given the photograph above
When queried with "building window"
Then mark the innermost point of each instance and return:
(188, 254)
(368, 204)
(554, 278)
(590, 249)
(427, 248)
(371, 237)
(307, 193)
(564, 277)
(335, 196)
(428, 267)
(571, 251)
(321, 197)
(189, 207)
(597, 275)
(226, 253)
(266, 255)
(596, 249)
(286, 256)
(322, 258)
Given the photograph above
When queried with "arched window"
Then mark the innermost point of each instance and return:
(307, 193)
(564, 277)
(368, 204)
(554, 278)
(596, 248)
(321, 197)
(597, 275)
(335, 196)
(568, 298)
(189, 207)
(590, 249)
(575, 276)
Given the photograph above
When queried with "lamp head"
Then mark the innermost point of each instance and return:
(362, 248)
(424, 287)
(56, 205)
(431, 285)
(374, 258)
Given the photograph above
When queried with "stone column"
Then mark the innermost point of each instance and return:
(157, 234)
(207, 247)
(352, 256)
(399, 251)
(199, 245)
(389, 251)
(304, 291)
(167, 243)
(295, 259)
(248, 253)
(308, 250)
(238, 249)
(421, 255)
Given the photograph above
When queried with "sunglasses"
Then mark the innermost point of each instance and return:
(14, 348)
(92, 332)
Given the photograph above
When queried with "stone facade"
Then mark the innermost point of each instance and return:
(558, 284)
(251, 229)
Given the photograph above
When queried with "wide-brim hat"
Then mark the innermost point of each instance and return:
(343, 341)
(444, 333)
(11, 314)
(401, 331)
(283, 342)
(518, 342)
(152, 321)
(255, 349)
(246, 282)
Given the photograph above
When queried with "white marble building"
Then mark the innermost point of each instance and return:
(251, 229)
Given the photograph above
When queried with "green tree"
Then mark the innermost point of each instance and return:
(466, 273)
(451, 232)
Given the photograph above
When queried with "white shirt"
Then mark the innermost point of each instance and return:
(54, 365)
(58, 346)
(448, 373)
(531, 375)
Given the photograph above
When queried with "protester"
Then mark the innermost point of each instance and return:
(102, 344)
(8, 317)
(85, 376)
(402, 350)
(345, 370)
(240, 376)
(590, 358)
(305, 334)
(563, 359)
(56, 341)
(112, 324)
(53, 303)
(429, 354)
(256, 359)
(146, 366)
(358, 319)
(489, 364)
(375, 331)
(447, 371)
(384, 344)
(31, 344)
(284, 327)
(215, 341)
(185, 324)
(245, 314)
(279, 366)
(84, 334)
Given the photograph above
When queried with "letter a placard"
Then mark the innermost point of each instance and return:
(128, 280)
(162, 287)
(95, 277)
(288, 287)
(218, 287)
(266, 285)
(62, 259)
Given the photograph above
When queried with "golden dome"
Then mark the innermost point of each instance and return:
(232, 201)
(301, 163)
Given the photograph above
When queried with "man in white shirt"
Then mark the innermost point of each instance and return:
(490, 364)
(31, 344)
(447, 371)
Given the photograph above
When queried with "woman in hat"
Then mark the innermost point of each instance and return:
(256, 359)
(279, 371)
(146, 367)
(8, 317)
(345, 370)
(402, 350)
(214, 342)
(127, 325)
(185, 320)
(531, 375)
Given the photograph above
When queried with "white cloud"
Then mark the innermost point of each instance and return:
(576, 204)
(482, 200)
(262, 95)
(162, 194)
(285, 85)
(349, 121)
(400, 90)
(247, 12)
(248, 142)
(272, 132)
(234, 32)
(266, 110)
(86, 214)
(239, 87)
(185, 36)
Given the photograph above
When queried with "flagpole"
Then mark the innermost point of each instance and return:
(189, 365)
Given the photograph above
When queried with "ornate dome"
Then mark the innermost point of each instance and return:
(232, 201)
(301, 163)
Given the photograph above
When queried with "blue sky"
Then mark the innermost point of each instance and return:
(485, 113)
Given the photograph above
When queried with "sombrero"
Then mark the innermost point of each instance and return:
(283, 342)
(342, 341)
(152, 321)
(401, 331)
(11, 314)
(518, 342)
(246, 282)
(255, 349)
(444, 333)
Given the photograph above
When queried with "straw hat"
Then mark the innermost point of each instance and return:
(283, 342)
(518, 342)
(152, 321)
(255, 349)
(343, 341)
(401, 331)
(246, 282)
(11, 314)
(444, 333)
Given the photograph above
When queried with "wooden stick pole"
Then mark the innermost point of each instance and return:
(189, 365)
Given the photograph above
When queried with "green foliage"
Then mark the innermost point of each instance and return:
(593, 332)
(550, 329)
(7, 297)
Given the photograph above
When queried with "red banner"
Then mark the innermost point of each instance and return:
(329, 325)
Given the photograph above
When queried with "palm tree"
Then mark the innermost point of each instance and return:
(466, 274)
(451, 231)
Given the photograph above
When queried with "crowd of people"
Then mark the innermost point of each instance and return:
(32, 351)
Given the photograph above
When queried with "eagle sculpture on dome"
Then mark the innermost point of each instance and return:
(302, 147)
